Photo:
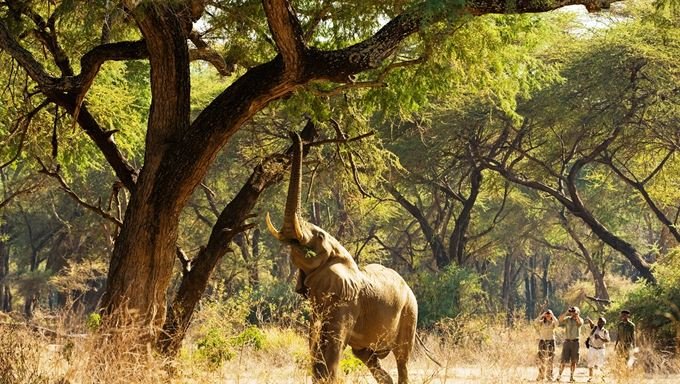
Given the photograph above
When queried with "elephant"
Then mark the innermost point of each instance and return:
(371, 309)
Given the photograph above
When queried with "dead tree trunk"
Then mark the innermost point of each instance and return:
(5, 292)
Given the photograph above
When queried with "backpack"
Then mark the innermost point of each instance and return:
(588, 338)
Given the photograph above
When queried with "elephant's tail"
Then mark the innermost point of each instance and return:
(428, 353)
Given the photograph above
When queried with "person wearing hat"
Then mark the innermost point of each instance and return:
(570, 348)
(625, 335)
(546, 324)
(599, 335)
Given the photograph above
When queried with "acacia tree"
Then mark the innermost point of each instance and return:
(179, 150)
(599, 115)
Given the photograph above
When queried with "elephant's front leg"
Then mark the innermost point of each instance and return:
(330, 342)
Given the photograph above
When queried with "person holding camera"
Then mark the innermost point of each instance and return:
(546, 324)
(599, 335)
(570, 348)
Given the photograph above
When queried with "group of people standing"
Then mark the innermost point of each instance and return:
(595, 343)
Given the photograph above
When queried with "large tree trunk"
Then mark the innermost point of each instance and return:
(508, 286)
(530, 288)
(56, 262)
(144, 253)
(545, 281)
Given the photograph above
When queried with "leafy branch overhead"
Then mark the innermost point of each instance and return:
(302, 63)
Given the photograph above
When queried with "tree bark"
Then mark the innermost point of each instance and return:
(508, 290)
(141, 266)
(436, 245)
(458, 238)
(545, 281)
(5, 292)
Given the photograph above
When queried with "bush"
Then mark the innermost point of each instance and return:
(276, 302)
(656, 308)
(446, 294)
(250, 337)
(350, 363)
(215, 349)
(93, 321)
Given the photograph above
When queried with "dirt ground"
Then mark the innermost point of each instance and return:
(453, 375)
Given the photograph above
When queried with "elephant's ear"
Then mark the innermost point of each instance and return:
(336, 280)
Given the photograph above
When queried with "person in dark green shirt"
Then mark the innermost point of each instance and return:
(625, 335)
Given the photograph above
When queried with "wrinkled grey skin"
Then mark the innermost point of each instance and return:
(371, 309)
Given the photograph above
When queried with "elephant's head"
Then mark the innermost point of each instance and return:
(325, 264)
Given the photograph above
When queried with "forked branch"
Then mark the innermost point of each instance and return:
(66, 188)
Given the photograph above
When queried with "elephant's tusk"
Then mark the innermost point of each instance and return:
(272, 229)
(298, 228)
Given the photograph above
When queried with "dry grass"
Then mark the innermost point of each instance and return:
(470, 350)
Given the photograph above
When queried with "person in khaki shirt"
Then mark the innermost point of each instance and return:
(570, 348)
(546, 324)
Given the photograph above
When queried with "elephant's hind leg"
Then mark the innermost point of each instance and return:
(402, 353)
(371, 360)
(405, 341)
(402, 371)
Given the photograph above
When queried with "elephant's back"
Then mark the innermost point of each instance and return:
(387, 306)
(385, 284)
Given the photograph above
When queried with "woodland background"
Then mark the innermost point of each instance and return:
(501, 164)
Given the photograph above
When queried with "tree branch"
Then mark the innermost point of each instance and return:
(25, 121)
(482, 7)
(33, 68)
(213, 57)
(287, 34)
(62, 183)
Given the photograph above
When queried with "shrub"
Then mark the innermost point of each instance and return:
(350, 363)
(94, 321)
(656, 308)
(446, 294)
(276, 302)
(250, 337)
(214, 349)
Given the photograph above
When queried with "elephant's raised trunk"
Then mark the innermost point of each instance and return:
(292, 226)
